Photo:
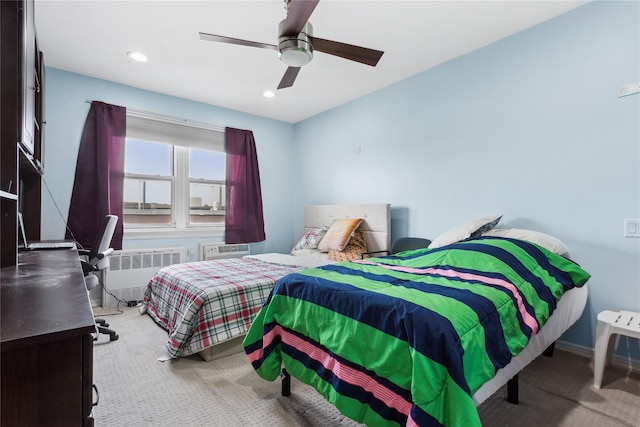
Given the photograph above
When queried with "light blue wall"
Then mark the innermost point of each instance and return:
(66, 111)
(530, 127)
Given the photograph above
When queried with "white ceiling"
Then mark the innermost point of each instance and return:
(92, 37)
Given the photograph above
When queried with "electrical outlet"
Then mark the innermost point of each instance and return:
(632, 228)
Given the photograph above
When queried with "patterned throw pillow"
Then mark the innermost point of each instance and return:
(338, 234)
(356, 246)
(311, 239)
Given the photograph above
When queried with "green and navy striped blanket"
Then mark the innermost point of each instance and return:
(407, 339)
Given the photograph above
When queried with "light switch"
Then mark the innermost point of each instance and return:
(632, 228)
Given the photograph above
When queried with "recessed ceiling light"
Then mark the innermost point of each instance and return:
(137, 56)
(268, 94)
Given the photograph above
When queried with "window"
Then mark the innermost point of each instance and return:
(174, 175)
(206, 186)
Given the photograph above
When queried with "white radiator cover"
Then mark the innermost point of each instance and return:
(219, 251)
(130, 271)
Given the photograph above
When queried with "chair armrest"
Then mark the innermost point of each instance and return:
(104, 254)
(364, 255)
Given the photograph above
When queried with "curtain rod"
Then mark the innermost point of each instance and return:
(167, 118)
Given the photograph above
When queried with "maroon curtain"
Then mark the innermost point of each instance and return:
(244, 221)
(99, 180)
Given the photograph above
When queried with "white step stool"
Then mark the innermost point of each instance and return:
(625, 323)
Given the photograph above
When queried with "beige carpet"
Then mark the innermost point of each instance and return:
(138, 390)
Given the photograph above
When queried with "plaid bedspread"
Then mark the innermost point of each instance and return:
(205, 303)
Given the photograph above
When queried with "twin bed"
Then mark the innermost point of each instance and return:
(421, 337)
(208, 306)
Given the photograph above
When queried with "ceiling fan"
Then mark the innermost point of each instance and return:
(296, 42)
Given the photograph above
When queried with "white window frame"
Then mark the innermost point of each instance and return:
(181, 135)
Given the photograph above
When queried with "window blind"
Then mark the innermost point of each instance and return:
(174, 132)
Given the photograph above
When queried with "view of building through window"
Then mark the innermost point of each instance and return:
(170, 185)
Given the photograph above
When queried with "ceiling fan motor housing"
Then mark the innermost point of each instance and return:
(296, 51)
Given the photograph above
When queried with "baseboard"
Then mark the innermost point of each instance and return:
(618, 361)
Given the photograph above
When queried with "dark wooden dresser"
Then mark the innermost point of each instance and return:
(46, 347)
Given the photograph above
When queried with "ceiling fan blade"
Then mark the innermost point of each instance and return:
(297, 16)
(289, 77)
(347, 51)
(231, 40)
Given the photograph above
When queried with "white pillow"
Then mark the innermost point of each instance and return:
(472, 228)
(551, 243)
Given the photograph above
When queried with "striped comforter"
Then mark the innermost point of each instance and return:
(407, 339)
(204, 303)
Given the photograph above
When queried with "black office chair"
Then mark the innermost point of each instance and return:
(408, 244)
(94, 262)
(400, 245)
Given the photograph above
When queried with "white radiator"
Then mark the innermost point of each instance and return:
(224, 251)
(130, 271)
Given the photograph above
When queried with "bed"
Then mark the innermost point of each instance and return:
(421, 337)
(208, 306)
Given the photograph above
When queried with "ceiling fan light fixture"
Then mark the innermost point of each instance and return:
(296, 51)
(296, 56)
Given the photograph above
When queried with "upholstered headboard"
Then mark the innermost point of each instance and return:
(376, 224)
